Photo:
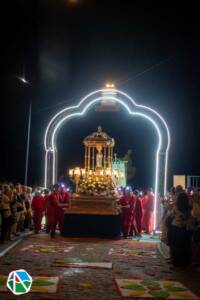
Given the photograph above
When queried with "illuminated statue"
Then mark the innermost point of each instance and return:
(99, 158)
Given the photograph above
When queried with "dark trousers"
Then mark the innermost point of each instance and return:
(28, 220)
(5, 226)
(2, 228)
(181, 257)
(180, 242)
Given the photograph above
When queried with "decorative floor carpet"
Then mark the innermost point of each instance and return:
(47, 248)
(142, 243)
(133, 252)
(149, 239)
(40, 284)
(140, 288)
(73, 263)
(88, 282)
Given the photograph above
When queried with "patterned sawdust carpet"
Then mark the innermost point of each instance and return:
(131, 259)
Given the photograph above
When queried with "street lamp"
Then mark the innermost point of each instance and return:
(24, 81)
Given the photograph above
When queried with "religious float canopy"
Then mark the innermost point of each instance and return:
(98, 151)
(99, 162)
(96, 178)
(95, 188)
(110, 94)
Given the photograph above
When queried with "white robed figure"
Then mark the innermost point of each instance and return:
(99, 158)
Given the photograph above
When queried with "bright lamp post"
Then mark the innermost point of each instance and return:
(24, 81)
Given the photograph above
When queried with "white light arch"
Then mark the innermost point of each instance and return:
(134, 109)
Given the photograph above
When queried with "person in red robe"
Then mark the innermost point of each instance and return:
(138, 213)
(46, 201)
(55, 211)
(147, 209)
(64, 196)
(127, 203)
(133, 225)
(64, 202)
(37, 206)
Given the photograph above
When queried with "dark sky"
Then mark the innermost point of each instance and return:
(69, 49)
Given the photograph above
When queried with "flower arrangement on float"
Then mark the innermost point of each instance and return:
(96, 186)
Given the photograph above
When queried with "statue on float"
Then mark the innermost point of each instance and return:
(99, 158)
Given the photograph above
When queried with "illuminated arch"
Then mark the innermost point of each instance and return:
(134, 109)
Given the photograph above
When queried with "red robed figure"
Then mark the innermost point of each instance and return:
(64, 202)
(54, 212)
(46, 201)
(46, 198)
(147, 208)
(64, 198)
(127, 204)
(138, 214)
(37, 206)
(133, 213)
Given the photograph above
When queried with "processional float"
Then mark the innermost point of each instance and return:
(95, 184)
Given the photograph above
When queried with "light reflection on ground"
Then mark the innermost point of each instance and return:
(72, 272)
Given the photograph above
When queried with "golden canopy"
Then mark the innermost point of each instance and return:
(98, 151)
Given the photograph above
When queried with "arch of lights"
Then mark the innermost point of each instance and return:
(132, 108)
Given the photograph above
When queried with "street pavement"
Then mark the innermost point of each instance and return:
(130, 259)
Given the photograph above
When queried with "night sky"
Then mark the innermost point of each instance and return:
(67, 49)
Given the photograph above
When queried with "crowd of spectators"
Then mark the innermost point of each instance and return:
(15, 210)
(22, 209)
(181, 225)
